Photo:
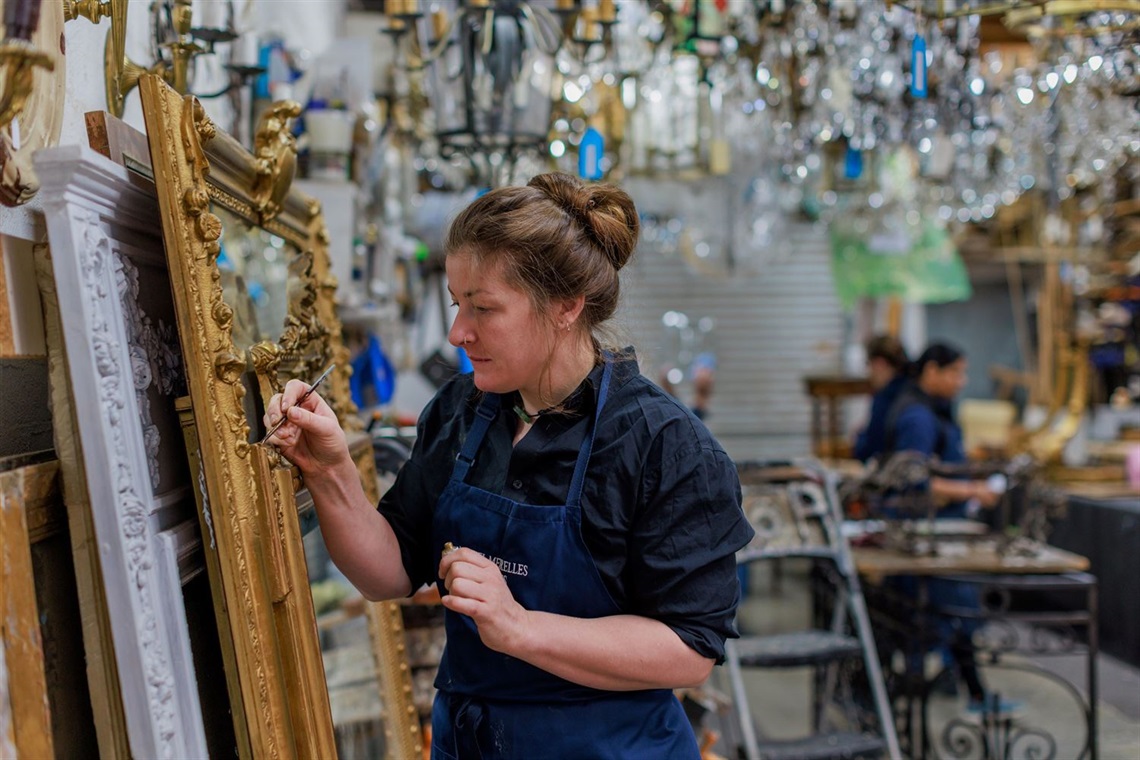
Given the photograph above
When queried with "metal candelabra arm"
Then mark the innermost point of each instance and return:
(19, 61)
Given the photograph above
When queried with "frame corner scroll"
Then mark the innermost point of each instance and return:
(275, 153)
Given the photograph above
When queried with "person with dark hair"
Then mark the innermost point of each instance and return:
(887, 372)
(922, 420)
(581, 524)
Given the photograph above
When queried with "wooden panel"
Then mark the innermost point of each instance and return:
(23, 646)
(7, 332)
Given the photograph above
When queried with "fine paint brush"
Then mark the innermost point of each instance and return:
(305, 395)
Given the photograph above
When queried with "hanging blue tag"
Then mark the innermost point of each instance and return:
(918, 67)
(590, 152)
(852, 163)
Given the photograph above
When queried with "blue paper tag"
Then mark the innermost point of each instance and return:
(590, 152)
(852, 163)
(918, 67)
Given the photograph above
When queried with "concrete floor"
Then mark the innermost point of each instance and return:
(781, 700)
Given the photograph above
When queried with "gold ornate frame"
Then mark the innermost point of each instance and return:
(276, 680)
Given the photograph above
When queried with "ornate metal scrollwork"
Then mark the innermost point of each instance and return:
(961, 739)
(1031, 744)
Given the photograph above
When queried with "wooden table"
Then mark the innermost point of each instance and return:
(874, 564)
(1051, 570)
(826, 391)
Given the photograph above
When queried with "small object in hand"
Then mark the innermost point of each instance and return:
(305, 395)
(997, 483)
(449, 547)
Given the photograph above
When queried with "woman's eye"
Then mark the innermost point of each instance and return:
(455, 304)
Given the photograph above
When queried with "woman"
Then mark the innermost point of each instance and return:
(596, 519)
(887, 373)
(922, 420)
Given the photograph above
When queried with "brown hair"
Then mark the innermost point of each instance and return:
(889, 349)
(557, 238)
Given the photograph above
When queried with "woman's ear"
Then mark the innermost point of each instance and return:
(567, 311)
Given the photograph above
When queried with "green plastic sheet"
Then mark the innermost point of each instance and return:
(918, 264)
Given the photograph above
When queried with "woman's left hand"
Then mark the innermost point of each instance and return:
(476, 588)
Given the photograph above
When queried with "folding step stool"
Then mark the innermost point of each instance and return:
(795, 510)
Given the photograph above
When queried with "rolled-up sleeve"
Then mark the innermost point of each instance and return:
(689, 526)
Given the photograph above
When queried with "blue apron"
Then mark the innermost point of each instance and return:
(490, 705)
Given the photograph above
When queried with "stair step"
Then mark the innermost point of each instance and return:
(790, 650)
(838, 746)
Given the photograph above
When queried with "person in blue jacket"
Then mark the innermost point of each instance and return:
(887, 372)
(580, 523)
(922, 420)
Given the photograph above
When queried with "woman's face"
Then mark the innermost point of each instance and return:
(946, 382)
(496, 324)
(879, 372)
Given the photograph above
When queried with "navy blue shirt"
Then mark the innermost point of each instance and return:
(661, 505)
(921, 423)
(872, 440)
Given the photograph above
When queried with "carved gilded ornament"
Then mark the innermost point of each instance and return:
(275, 152)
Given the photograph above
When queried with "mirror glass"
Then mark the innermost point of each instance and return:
(259, 272)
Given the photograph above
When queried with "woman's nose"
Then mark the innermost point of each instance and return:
(458, 335)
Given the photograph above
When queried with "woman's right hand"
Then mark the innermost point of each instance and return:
(311, 438)
(987, 498)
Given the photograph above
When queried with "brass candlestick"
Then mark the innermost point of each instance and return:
(92, 10)
(123, 74)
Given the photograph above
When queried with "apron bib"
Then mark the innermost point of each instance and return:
(493, 706)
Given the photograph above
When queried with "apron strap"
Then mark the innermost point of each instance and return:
(485, 414)
(579, 479)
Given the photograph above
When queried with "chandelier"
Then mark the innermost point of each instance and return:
(490, 72)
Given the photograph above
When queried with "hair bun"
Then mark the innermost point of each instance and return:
(604, 212)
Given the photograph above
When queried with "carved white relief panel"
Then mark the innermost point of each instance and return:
(155, 358)
(110, 273)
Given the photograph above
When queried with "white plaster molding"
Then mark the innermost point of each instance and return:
(103, 227)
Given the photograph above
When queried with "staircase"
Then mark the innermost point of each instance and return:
(795, 510)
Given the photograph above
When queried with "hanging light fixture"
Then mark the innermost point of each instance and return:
(489, 70)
